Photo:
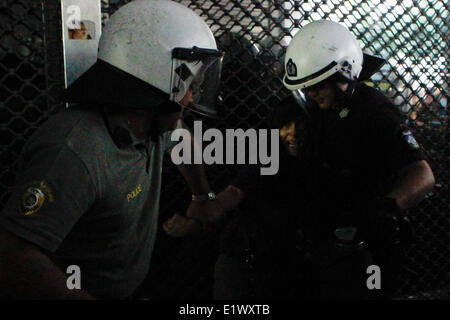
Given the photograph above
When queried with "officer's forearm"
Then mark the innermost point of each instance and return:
(414, 182)
(27, 273)
(194, 174)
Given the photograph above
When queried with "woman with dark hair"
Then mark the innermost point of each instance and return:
(258, 240)
(258, 245)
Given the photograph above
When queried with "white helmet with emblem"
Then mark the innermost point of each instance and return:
(318, 51)
(166, 45)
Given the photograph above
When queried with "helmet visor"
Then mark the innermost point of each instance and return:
(198, 71)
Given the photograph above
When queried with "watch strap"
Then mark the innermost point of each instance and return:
(203, 197)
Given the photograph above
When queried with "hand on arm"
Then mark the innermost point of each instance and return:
(204, 212)
(215, 211)
(227, 200)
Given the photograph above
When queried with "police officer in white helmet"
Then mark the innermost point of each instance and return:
(88, 187)
(370, 169)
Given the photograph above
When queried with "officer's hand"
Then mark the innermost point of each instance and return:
(180, 226)
(209, 212)
(389, 224)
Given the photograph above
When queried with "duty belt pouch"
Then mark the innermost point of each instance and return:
(345, 242)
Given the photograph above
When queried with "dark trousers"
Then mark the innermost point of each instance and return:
(344, 279)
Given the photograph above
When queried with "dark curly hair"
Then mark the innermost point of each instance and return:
(290, 110)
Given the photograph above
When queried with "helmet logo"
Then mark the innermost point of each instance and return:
(346, 68)
(291, 68)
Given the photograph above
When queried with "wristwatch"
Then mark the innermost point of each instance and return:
(211, 196)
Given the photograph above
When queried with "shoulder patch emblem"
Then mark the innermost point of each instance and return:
(35, 193)
(407, 134)
(32, 200)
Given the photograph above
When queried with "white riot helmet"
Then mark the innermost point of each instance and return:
(162, 49)
(318, 51)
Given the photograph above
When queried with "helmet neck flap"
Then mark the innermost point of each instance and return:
(105, 85)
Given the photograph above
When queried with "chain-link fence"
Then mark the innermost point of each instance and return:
(411, 35)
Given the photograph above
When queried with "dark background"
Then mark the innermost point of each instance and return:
(412, 36)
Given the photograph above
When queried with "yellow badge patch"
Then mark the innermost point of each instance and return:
(133, 194)
(34, 197)
(32, 200)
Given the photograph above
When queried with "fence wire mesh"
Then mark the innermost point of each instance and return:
(411, 35)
